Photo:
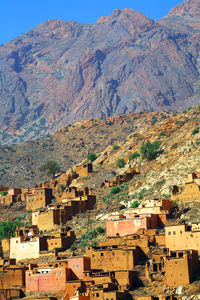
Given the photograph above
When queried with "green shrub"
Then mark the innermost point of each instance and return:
(153, 122)
(115, 190)
(195, 131)
(115, 146)
(134, 155)
(3, 193)
(42, 121)
(62, 187)
(135, 204)
(100, 230)
(149, 150)
(162, 133)
(91, 157)
(82, 126)
(110, 123)
(120, 163)
(189, 108)
(21, 217)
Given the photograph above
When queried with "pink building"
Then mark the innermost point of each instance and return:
(131, 225)
(78, 265)
(47, 279)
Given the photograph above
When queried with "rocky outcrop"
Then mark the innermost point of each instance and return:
(62, 72)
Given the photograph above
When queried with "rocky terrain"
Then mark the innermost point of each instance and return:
(62, 72)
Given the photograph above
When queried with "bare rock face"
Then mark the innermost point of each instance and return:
(63, 72)
(188, 7)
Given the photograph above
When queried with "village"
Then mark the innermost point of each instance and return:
(143, 245)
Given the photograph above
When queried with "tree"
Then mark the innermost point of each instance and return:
(149, 150)
(134, 155)
(51, 168)
(91, 157)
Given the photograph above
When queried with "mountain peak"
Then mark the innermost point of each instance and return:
(187, 7)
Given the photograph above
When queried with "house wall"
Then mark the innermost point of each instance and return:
(78, 265)
(53, 281)
(37, 198)
(12, 277)
(20, 249)
(112, 259)
(190, 192)
(177, 238)
(5, 243)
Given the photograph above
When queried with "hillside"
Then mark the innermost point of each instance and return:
(62, 72)
(21, 164)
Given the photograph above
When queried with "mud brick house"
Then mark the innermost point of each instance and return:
(104, 292)
(180, 267)
(60, 240)
(121, 280)
(174, 267)
(8, 199)
(49, 218)
(26, 231)
(120, 179)
(195, 227)
(75, 193)
(112, 258)
(153, 206)
(47, 279)
(26, 248)
(78, 266)
(181, 237)
(190, 191)
(12, 276)
(37, 198)
(84, 170)
(131, 224)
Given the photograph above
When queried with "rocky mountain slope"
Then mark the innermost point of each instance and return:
(61, 72)
(177, 133)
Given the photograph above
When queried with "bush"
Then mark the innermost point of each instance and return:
(100, 230)
(134, 155)
(149, 150)
(153, 122)
(195, 131)
(120, 163)
(135, 204)
(4, 193)
(115, 190)
(162, 133)
(189, 108)
(21, 217)
(91, 157)
(115, 147)
(82, 126)
(62, 187)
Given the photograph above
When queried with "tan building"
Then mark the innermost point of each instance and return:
(181, 237)
(37, 198)
(190, 191)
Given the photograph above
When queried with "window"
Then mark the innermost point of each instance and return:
(55, 273)
(169, 233)
(101, 254)
(77, 266)
(74, 266)
(60, 273)
(174, 232)
(97, 294)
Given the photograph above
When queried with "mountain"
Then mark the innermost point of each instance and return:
(63, 72)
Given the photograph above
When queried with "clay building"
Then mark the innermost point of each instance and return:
(7, 199)
(59, 240)
(112, 258)
(174, 268)
(37, 198)
(5, 244)
(180, 267)
(49, 218)
(12, 276)
(47, 279)
(84, 170)
(181, 237)
(26, 231)
(120, 179)
(190, 191)
(25, 248)
(78, 266)
(131, 225)
(152, 206)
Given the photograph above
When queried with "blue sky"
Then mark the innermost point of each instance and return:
(19, 16)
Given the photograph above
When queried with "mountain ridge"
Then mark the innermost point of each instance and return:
(63, 72)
